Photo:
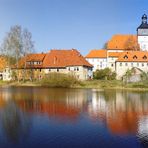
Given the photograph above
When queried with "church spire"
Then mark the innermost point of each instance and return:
(144, 19)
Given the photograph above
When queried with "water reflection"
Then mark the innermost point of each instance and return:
(122, 113)
(15, 123)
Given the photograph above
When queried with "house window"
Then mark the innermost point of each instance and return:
(49, 70)
(112, 65)
(40, 70)
(142, 64)
(57, 70)
(120, 64)
(138, 64)
(69, 68)
(77, 68)
(131, 64)
(74, 69)
(126, 64)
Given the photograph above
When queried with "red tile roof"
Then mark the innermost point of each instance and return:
(56, 58)
(133, 56)
(114, 54)
(102, 53)
(36, 57)
(63, 58)
(118, 41)
(3, 62)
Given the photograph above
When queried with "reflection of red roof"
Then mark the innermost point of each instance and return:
(123, 123)
(52, 108)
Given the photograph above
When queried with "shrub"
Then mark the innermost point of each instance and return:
(59, 80)
(104, 74)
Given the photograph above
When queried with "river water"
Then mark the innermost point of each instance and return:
(72, 118)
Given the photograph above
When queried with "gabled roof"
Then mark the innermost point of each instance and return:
(63, 58)
(54, 59)
(36, 57)
(118, 41)
(133, 56)
(102, 53)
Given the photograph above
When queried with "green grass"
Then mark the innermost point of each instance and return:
(101, 84)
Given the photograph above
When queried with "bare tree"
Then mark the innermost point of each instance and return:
(17, 43)
(28, 47)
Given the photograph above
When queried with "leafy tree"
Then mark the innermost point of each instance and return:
(104, 74)
(105, 45)
(132, 44)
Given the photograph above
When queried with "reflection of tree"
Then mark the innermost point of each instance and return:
(16, 124)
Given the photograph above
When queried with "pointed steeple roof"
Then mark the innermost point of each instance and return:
(144, 24)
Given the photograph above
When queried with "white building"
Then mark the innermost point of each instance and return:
(97, 58)
(120, 59)
(142, 33)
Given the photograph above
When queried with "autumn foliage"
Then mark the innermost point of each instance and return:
(132, 44)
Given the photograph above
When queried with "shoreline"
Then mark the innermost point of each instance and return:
(90, 85)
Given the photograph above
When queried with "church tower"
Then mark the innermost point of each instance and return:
(142, 34)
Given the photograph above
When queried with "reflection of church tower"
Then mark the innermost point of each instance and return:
(142, 33)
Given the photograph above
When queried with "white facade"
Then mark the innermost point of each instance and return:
(7, 74)
(143, 42)
(111, 63)
(98, 63)
(80, 72)
(122, 67)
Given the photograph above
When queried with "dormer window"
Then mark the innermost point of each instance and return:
(144, 57)
(125, 57)
(134, 57)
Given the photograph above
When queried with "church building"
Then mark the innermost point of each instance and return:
(123, 52)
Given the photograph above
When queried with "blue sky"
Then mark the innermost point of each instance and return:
(66, 24)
